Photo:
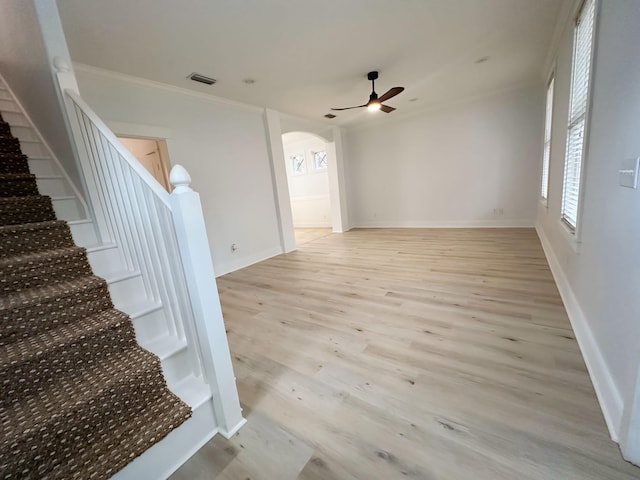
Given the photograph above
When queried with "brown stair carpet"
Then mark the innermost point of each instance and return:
(79, 398)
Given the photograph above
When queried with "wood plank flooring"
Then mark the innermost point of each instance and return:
(418, 354)
(306, 235)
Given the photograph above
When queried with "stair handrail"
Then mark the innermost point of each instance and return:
(162, 236)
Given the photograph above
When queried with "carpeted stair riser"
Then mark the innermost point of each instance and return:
(18, 185)
(4, 127)
(14, 163)
(90, 380)
(85, 400)
(16, 210)
(112, 410)
(91, 376)
(152, 420)
(34, 237)
(105, 453)
(37, 269)
(53, 351)
(46, 308)
(10, 145)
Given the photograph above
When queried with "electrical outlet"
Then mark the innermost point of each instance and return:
(234, 248)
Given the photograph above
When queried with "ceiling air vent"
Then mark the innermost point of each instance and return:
(196, 77)
(329, 115)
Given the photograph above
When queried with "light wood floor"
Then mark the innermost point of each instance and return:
(306, 235)
(422, 354)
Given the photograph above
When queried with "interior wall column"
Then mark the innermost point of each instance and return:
(337, 184)
(279, 180)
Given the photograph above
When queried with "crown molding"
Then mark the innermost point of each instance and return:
(102, 72)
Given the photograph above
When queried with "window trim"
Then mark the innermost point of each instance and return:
(551, 83)
(574, 233)
(294, 172)
(313, 161)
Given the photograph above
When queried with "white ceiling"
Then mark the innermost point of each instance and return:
(309, 55)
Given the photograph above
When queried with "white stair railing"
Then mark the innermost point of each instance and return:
(163, 237)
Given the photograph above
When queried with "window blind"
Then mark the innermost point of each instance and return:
(544, 188)
(580, 79)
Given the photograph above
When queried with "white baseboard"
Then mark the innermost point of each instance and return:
(609, 396)
(312, 225)
(501, 223)
(245, 261)
(234, 430)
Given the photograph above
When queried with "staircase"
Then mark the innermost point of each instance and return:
(80, 398)
(81, 295)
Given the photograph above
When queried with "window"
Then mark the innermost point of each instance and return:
(298, 165)
(320, 160)
(544, 188)
(580, 80)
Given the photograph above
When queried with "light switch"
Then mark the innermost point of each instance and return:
(629, 172)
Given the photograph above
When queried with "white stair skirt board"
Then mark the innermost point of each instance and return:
(67, 208)
(608, 395)
(51, 178)
(166, 456)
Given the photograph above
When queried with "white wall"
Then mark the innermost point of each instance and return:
(600, 277)
(309, 192)
(26, 65)
(450, 167)
(222, 145)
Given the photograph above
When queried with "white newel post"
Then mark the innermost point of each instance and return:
(203, 292)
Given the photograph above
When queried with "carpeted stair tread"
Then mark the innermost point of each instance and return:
(122, 421)
(18, 185)
(34, 269)
(47, 358)
(14, 163)
(34, 348)
(10, 144)
(44, 308)
(82, 384)
(11, 155)
(34, 237)
(16, 210)
(100, 373)
(107, 410)
(156, 421)
(5, 128)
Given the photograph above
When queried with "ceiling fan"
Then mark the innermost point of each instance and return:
(375, 102)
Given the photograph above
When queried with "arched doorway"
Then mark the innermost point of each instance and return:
(332, 138)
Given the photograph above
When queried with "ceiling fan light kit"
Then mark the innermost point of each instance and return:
(375, 102)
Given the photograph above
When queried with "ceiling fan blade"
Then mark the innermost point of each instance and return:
(391, 93)
(386, 108)
(348, 108)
